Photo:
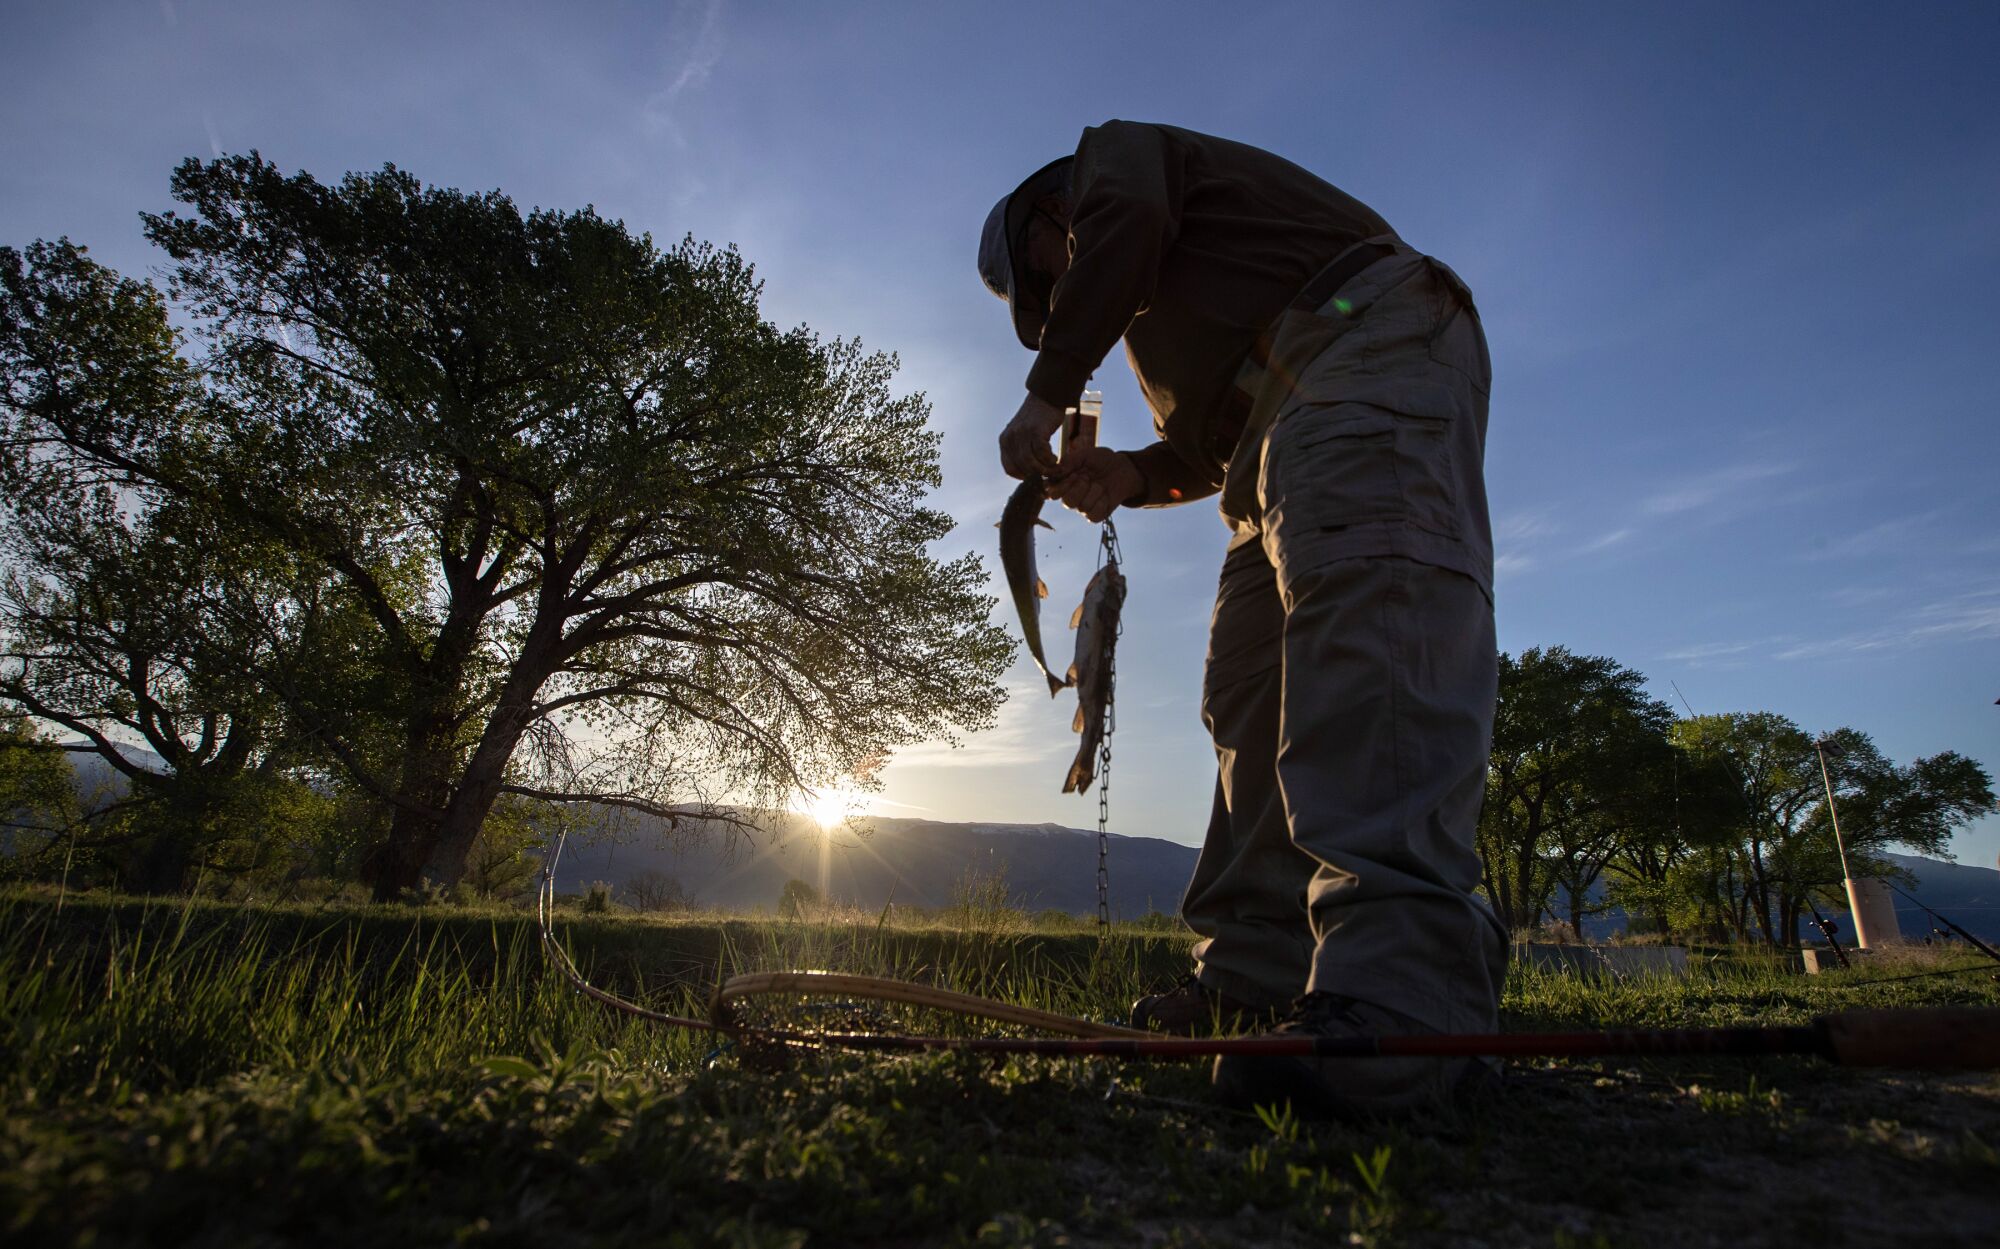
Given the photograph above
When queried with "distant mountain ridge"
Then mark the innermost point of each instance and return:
(917, 862)
(1047, 866)
(910, 861)
(1966, 895)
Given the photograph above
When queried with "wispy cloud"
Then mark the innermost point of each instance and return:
(1526, 540)
(1025, 731)
(701, 52)
(1709, 653)
(1891, 536)
(1964, 618)
(1518, 538)
(1972, 616)
(1717, 485)
(1849, 644)
(1532, 525)
(869, 802)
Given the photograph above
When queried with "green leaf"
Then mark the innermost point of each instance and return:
(510, 1067)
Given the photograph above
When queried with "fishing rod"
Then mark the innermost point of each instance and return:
(1931, 1038)
(1983, 948)
(1936, 1037)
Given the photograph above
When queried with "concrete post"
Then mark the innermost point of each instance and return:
(1868, 900)
(1873, 909)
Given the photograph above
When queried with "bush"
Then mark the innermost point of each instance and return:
(1159, 921)
(797, 900)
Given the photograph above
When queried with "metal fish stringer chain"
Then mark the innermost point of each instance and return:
(1109, 550)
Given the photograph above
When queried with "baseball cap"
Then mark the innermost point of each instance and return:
(999, 267)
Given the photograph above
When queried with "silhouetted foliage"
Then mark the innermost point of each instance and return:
(1569, 732)
(1785, 852)
(797, 900)
(1717, 824)
(135, 614)
(38, 806)
(585, 527)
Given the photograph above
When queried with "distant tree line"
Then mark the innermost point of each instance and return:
(1711, 825)
(402, 523)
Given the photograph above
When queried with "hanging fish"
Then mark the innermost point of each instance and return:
(1017, 559)
(1096, 625)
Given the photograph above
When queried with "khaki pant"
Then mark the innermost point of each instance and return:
(1350, 680)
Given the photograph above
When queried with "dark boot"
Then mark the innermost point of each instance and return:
(1191, 1008)
(1347, 1088)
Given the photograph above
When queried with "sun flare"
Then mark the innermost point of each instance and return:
(830, 807)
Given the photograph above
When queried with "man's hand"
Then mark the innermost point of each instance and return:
(1095, 480)
(1024, 444)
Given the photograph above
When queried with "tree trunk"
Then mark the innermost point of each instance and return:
(479, 786)
(163, 865)
(1768, 910)
(430, 749)
(472, 801)
(182, 818)
(1527, 906)
(395, 866)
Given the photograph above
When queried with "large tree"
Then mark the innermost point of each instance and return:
(147, 648)
(583, 494)
(130, 614)
(1569, 733)
(1676, 811)
(1785, 857)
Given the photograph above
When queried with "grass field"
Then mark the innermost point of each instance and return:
(207, 1074)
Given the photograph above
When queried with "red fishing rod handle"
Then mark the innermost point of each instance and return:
(1966, 1037)
(1948, 1037)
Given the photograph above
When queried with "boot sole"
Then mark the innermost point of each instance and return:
(1382, 1092)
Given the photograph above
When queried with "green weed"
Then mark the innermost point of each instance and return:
(203, 1073)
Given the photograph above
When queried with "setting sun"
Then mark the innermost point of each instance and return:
(829, 807)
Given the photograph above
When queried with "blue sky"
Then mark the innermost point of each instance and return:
(1737, 266)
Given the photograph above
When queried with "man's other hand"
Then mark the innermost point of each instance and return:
(1024, 444)
(1095, 480)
